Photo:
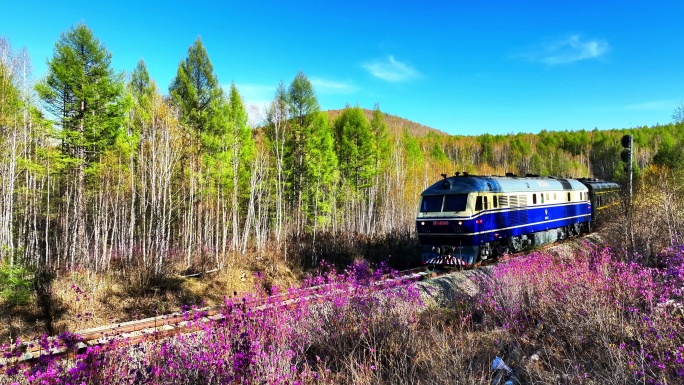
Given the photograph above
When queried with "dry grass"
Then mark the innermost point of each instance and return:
(83, 299)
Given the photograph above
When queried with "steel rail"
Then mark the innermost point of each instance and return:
(164, 326)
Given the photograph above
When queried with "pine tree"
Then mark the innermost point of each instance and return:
(204, 112)
(303, 108)
(142, 90)
(84, 94)
(381, 143)
(196, 91)
(321, 171)
(355, 147)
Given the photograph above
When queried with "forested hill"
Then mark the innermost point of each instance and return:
(581, 153)
(395, 124)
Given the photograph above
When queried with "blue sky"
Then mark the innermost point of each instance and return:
(463, 67)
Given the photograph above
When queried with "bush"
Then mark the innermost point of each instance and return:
(590, 317)
(580, 319)
(277, 343)
(15, 285)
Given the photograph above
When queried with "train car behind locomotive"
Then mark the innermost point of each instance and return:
(463, 219)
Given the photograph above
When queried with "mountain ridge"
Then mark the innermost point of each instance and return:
(395, 124)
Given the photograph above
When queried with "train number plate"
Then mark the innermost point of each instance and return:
(440, 223)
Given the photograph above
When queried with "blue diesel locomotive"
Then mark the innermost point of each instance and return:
(464, 219)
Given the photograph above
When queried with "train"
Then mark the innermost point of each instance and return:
(465, 219)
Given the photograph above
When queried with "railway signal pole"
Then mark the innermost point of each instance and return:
(626, 156)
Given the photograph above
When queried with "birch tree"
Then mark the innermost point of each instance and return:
(10, 105)
(277, 118)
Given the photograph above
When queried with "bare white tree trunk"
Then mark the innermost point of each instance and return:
(255, 189)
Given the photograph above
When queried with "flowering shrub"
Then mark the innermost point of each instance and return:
(583, 318)
(590, 316)
(273, 343)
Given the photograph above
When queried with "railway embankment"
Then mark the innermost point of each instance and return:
(445, 289)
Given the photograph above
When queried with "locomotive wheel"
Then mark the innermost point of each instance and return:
(516, 244)
(562, 234)
(577, 228)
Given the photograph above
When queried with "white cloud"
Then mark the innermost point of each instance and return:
(325, 86)
(568, 50)
(651, 105)
(255, 92)
(391, 70)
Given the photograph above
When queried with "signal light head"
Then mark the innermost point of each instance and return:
(625, 155)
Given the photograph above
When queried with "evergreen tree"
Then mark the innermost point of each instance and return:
(82, 91)
(355, 147)
(242, 132)
(204, 112)
(142, 89)
(196, 91)
(381, 143)
(141, 86)
(414, 155)
(438, 153)
(537, 165)
(84, 94)
(302, 100)
(303, 108)
(486, 142)
(321, 171)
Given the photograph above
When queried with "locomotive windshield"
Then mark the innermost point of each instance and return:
(452, 203)
(431, 204)
(455, 202)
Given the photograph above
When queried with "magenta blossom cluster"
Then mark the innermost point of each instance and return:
(255, 339)
(594, 310)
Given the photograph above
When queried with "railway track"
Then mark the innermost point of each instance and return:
(182, 322)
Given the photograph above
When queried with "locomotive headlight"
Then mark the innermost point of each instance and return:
(422, 223)
(460, 223)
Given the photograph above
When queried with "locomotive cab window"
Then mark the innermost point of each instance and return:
(455, 202)
(478, 204)
(431, 204)
(569, 197)
(496, 201)
(534, 199)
